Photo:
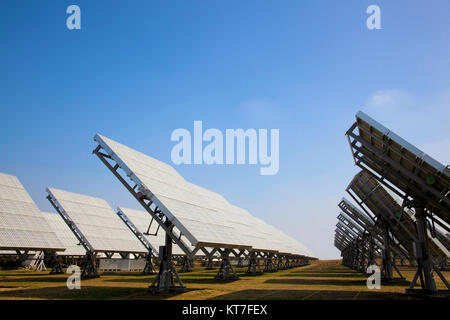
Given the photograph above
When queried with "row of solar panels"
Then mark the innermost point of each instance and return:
(203, 218)
(403, 198)
(380, 207)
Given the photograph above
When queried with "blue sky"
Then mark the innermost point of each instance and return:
(138, 70)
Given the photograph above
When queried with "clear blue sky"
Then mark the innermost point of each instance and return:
(137, 70)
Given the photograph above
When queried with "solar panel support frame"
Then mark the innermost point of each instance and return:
(269, 265)
(379, 216)
(164, 280)
(84, 242)
(425, 266)
(388, 259)
(149, 268)
(359, 160)
(254, 267)
(89, 270)
(226, 271)
(54, 261)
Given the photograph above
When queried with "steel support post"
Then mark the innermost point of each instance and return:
(55, 262)
(253, 265)
(387, 262)
(186, 264)
(149, 267)
(226, 270)
(89, 269)
(164, 280)
(371, 250)
(423, 257)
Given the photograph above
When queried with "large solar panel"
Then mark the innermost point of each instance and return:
(412, 171)
(22, 226)
(203, 217)
(372, 230)
(97, 222)
(65, 235)
(195, 211)
(381, 203)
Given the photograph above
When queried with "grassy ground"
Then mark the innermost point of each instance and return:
(320, 280)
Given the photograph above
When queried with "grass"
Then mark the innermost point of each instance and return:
(320, 280)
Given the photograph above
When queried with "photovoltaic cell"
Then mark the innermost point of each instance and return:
(22, 225)
(98, 222)
(65, 235)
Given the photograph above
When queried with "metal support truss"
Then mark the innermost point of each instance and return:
(89, 269)
(369, 158)
(389, 264)
(209, 263)
(391, 171)
(164, 280)
(149, 268)
(269, 265)
(55, 262)
(425, 265)
(186, 264)
(253, 265)
(371, 253)
(226, 270)
(37, 262)
(281, 265)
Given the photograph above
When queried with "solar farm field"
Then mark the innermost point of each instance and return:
(322, 280)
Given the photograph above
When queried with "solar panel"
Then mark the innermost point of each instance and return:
(422, 182)
(381, 203)
(355, 213)
(196, 212)
(201, 216)
(97, 222)
(22, 226)
(411, 170)
(373, 231)
(65, 235)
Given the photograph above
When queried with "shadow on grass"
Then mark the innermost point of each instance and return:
(25, 274)
(89, 293)
(323, 275)
(330, 282)
(310, 295)
(209, 280)
(49, 278)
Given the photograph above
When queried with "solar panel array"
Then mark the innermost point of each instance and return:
(279, 242)
(65, 235)
(410, 169)
(204, 217)
(405, 197)
(98, 222)
(22, 225)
